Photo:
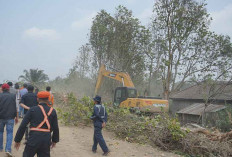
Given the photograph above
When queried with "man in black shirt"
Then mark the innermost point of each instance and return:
(27, 101)
(43, 121)
(8, 114)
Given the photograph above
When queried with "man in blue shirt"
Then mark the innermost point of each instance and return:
(22, 92)
(99, 118)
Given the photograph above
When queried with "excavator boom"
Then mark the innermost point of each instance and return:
(127, 95)
(122, 77)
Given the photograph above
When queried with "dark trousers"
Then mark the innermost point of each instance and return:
(98, 139)
(42, 150)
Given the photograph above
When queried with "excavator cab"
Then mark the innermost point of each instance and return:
(122, 93)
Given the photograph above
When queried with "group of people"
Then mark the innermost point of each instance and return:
(36, 110)
(40, 122)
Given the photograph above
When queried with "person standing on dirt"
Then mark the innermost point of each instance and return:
(8, 115)
(99, 118)
(27, 101)
(51, 97)
(43, 122)
(22, 92)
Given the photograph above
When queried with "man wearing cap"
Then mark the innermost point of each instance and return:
(43, 122)
(99, 118)
(8, 115)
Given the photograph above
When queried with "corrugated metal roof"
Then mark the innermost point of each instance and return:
(198, 109)
(220, 91)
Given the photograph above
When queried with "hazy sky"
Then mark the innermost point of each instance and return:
(47, 34)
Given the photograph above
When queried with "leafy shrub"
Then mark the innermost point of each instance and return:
(76, 111)
(130, 127)
(171, 125)
(224, 122)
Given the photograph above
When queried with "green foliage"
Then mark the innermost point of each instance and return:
(224, 121)
(119, 42)
(134, 128)
(131, 127)
(77, 111)
(172, 125)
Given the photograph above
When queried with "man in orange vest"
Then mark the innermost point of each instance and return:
(51, 97)
(43, 122)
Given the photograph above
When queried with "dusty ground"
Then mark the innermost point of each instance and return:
(77, 142)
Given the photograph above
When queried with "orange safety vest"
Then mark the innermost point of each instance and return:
(38, 128)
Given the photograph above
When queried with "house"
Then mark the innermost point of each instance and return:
(219, 93)
(200, 113)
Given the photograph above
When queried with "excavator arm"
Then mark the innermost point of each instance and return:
(122, 77)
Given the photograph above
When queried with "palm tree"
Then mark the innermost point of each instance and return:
(34, 76)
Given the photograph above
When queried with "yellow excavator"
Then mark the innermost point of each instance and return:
(127, 96)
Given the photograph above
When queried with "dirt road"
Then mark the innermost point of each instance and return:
(77, 142)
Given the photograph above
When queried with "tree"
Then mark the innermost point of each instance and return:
(188, 48)
(101, 37)
(35, 77)
(117, 41)
(83, 61)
